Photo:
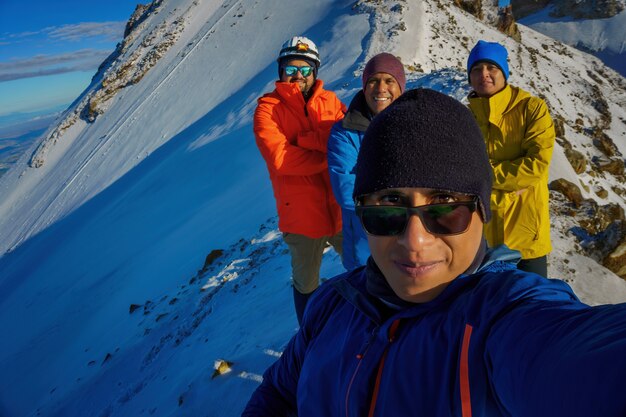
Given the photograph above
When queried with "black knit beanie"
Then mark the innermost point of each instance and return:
(425, 139)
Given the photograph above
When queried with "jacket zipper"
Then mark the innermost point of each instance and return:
(359, 357)
(466, 400)
(381, 365)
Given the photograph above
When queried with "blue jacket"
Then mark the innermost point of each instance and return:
(499, 342)
(344, 143)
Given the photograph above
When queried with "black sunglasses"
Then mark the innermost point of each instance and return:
(438, 219)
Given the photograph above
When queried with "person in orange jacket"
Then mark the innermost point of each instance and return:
(291, 127)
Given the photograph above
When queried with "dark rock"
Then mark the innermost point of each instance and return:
(570, 190)
(602, 193)
(576, 159)
(474, 7)
(616, 261)
(210, 258)
(586, 9)
(559, 126)
(605, 144)
(614, 166)
(506, 23)
(523, 8)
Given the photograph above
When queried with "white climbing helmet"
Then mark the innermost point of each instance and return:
(300, 46)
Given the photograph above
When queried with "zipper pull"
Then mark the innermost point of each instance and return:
(392, 330)
(359, 356)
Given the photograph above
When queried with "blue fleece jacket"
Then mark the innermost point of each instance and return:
(499, 342)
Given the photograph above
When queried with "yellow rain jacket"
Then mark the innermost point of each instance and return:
(519, 134)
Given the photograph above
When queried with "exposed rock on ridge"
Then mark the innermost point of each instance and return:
(126, 66)
(578, 9)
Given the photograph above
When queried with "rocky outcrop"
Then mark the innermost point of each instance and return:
(577, 9)
(586, 9)
(613, 166)
(523, 8)
(139, 15)
(570, 190)
(132, 69)
(126, 66)
(599, 229)
(473, 7)
(577, 160)
(506, 23)
(603, 158)
(616, 260)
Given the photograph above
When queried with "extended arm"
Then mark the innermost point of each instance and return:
(560, 360)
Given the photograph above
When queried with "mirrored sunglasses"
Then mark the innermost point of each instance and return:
(290, 70)
(438, 219)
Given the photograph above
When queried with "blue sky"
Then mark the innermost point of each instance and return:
(50, 50)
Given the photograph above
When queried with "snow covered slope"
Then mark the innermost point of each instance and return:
(106, 298)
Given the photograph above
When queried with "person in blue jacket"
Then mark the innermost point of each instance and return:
(437, 323)
(383, 81)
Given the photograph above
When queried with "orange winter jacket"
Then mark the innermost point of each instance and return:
(292, 137)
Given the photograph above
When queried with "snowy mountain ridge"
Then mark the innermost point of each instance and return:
(596, 27)
(140, 252)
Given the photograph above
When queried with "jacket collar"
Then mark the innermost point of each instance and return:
(356, 287)
(495, 107)
(290, 92)
(358, 116)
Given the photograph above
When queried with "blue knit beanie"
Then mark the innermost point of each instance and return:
(425, 139)
(491, 52)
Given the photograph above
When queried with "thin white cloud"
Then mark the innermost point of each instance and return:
(109, 31)
(40, 65)
(112, 31)
(81, 60)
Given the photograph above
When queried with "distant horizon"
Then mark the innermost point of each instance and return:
(50, 52)
(17, 117)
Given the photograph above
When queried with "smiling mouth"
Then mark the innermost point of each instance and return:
(381, 98)
(416, 269)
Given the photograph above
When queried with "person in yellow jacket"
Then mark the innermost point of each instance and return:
(519, 135)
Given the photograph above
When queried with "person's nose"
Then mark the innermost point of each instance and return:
(298, 75)
(415, 236)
